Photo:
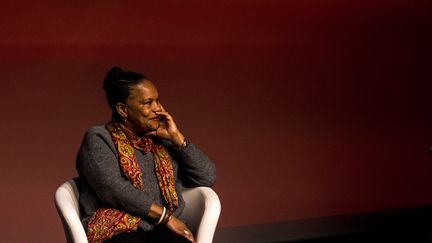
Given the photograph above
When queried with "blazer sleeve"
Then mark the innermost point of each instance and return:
(97, 163)
(195, 168)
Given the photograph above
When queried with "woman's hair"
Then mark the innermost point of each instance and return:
(117, 85)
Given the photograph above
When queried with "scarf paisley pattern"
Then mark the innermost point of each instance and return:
(107, 222)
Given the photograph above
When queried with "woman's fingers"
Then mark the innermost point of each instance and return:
(165, 114)
(168, 129)
(167, 118)
(180, 228)
(188, 235)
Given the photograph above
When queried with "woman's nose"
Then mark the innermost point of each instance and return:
(158, 107)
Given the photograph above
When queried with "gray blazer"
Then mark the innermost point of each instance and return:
(102, 184)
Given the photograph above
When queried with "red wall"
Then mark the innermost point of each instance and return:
(308, 108)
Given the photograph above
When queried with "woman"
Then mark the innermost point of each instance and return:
(134, 168)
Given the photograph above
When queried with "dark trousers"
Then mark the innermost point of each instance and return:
(159, 235)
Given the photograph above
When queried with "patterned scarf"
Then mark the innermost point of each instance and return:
(107, 222)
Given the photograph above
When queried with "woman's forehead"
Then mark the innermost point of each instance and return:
(144, 90)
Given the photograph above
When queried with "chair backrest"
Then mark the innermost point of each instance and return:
(67, 204)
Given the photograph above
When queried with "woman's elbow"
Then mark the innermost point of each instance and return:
(208, 180)
(211, 180)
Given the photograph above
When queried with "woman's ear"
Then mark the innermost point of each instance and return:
(121, 109)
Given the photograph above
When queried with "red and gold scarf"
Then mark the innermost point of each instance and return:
(107, 222)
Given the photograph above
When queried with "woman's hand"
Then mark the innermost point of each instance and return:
(180, 228)
(167, 128)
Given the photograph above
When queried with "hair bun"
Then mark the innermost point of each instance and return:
(113, 75)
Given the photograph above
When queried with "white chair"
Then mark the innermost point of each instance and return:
(201, 212)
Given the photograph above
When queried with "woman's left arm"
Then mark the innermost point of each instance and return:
(196, 169)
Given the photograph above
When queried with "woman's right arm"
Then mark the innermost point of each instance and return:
(97, 163)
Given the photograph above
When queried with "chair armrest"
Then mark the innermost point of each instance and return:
(66, 202)
(201, 212)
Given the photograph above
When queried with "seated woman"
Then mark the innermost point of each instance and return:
(134, 168)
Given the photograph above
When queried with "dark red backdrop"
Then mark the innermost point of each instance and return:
(308, 108)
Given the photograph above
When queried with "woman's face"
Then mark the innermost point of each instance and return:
(140, 108)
